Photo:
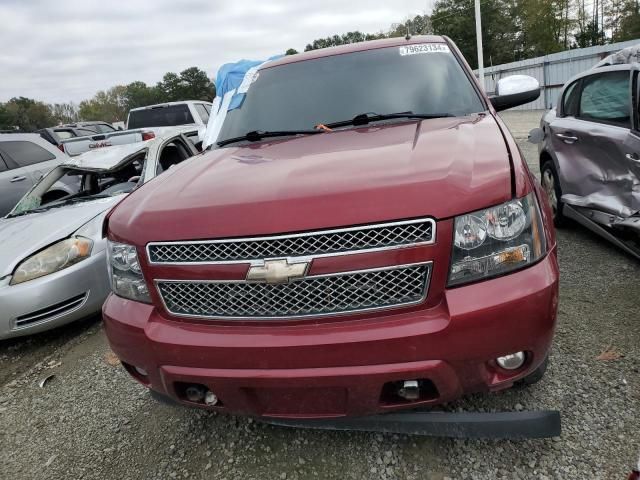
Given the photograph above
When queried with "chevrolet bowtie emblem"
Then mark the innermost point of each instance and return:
(277, 271)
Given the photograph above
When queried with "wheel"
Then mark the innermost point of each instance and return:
(551, 186)
(536, 375)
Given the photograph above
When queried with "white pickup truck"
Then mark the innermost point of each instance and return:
(145, 123)
(77, 145)
(189, 112)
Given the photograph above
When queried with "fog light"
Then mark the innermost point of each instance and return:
(194, 393)
(210, 398)
(512, 361)
(141, 371)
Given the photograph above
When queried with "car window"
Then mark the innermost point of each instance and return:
(25, 153)
(202, 111)
(3, 166)
(570, 100)
(64, 134)
(160, 116)
(100, 128)
(172, 154)
(605, 98)
(83, 132)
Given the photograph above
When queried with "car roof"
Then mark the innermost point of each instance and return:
(167, 104)
(108, 158)
(81, 124)
(355, 47)
(6, 137)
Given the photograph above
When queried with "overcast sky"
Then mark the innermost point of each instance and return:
(66, 50)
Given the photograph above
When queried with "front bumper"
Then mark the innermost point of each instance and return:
(54, 300)
(345, 368)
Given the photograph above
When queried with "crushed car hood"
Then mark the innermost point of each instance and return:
(438, 168)
(21, 237)
(106, 159)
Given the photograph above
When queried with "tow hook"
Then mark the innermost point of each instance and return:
(410, 390)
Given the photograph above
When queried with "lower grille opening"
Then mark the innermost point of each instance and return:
(51, 311)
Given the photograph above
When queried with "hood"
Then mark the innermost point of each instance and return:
(108, 158)
(438, 168)
(21, 237)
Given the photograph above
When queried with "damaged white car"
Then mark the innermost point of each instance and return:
(52, 260)
(590, 150)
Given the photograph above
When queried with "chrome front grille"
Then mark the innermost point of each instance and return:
(313, 295)
(318, 243)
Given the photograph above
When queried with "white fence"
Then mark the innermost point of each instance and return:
(552, 71)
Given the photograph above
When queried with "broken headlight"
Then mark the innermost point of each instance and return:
(125, 272)
(497, 240)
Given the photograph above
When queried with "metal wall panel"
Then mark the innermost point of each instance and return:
(552, 71)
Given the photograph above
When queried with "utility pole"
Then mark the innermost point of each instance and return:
(479, 44)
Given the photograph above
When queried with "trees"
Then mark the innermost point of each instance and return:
(64, 112)
(629, 25)
(139, 94)
(519, 29)
(544, 26)
(456, 19)
(418, 25)
(112, 105)
(109, 105)
(190, 84)
(25, 114)
(344, 39)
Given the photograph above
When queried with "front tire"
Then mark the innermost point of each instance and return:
(536, 375)
(551, 186)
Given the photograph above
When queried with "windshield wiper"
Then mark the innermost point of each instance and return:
(58, 204)
(366, 118)
(257, 135)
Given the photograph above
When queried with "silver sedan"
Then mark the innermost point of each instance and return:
(52, 255)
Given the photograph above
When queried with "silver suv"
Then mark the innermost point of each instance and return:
(24, 159)
(590, 152)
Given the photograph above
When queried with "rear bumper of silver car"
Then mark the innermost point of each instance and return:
(53, 300)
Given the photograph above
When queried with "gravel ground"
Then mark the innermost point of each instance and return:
(92, 421)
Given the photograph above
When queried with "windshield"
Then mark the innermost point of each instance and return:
(66, 185)
(102, 128)
(166, 116)
(304, 94)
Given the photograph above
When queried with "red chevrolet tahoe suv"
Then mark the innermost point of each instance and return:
(363, 236)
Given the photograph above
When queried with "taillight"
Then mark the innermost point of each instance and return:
(61, 147)
(148, 136)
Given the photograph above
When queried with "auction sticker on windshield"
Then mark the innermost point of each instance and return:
(424, 48)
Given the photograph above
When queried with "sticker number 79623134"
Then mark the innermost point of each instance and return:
(424, 48)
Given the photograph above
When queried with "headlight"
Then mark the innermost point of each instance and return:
(125, 272)
(52, 259)
(497, 240)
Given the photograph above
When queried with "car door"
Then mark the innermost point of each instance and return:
(14, 183)
(30, 158)
(588, 138)
(631, 147)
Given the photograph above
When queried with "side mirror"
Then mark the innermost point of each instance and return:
(515, 90)
(536, 136)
